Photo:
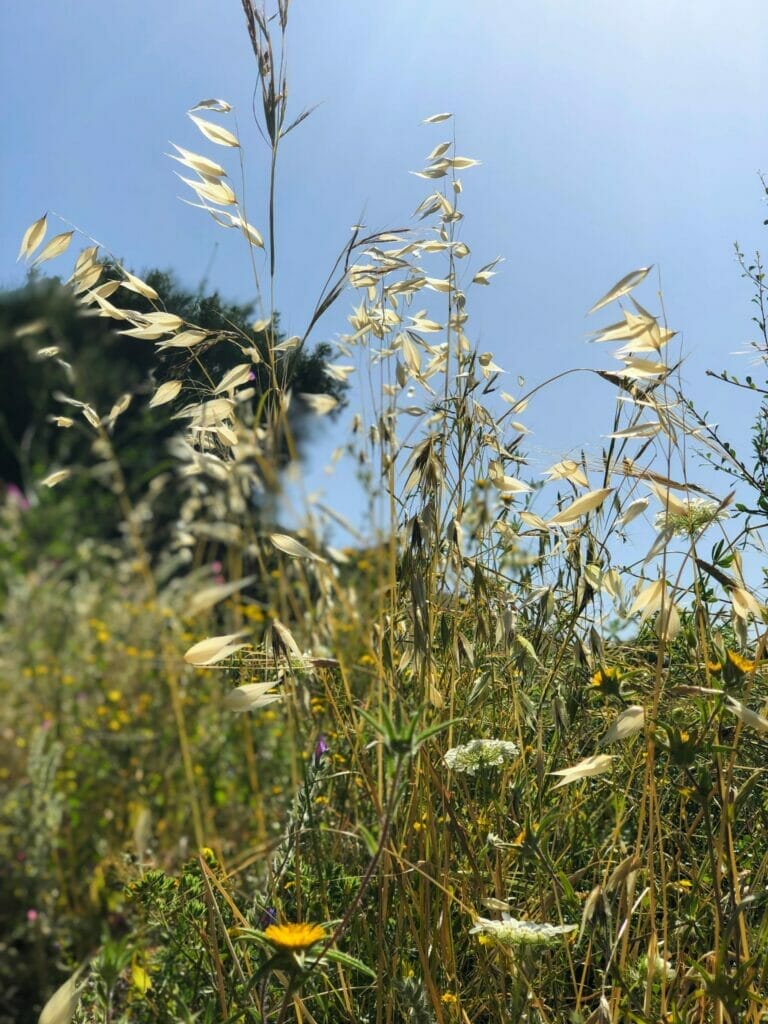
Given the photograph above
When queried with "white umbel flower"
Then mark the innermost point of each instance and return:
(477, 754)
(692, 520)
(660, 968)
(511, 935)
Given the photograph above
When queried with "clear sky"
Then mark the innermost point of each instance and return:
(612, 135)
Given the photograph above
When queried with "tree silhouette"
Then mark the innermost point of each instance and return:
(95, 363)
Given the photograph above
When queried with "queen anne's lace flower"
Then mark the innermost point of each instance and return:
(697, 517)
(477, 754)
(510, 935)
(661, 968)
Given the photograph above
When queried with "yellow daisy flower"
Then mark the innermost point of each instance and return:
(607, 680)
(294, 937)
(740, 662)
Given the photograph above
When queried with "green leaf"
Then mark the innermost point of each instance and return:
(527, 646)
(348, 961)
(434, 729)
(369, 839)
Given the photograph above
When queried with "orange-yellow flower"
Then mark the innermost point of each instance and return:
(294, 937)
(734, 667)
(607, 680)
(740, 662)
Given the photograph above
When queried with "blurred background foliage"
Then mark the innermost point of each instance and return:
(104, 366)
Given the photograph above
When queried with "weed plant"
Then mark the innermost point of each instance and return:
(471, 769)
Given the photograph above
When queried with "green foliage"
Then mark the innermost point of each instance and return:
(94, 363)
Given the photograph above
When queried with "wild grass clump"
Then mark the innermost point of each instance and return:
(471, 768)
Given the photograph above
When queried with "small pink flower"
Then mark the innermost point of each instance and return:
(32, 915)
(14, 494)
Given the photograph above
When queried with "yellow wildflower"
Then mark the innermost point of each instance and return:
(294, 938)
(740, 662)
(605, 673)
(733, 667)
(607, 680)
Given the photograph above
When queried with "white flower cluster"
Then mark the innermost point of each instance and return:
(696, 517)
(662, 968)
(477, 754)
(510, 934)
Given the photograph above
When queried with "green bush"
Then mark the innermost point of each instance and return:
(95, 363)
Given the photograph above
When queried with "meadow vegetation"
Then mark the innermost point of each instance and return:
(473, 767)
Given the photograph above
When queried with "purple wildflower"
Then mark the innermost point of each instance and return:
(321, 748)
(267, 918)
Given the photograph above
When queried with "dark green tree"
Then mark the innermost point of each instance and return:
(97, 364)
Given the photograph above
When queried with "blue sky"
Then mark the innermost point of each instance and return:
(611, 136)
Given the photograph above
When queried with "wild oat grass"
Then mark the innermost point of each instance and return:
(478, 710)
